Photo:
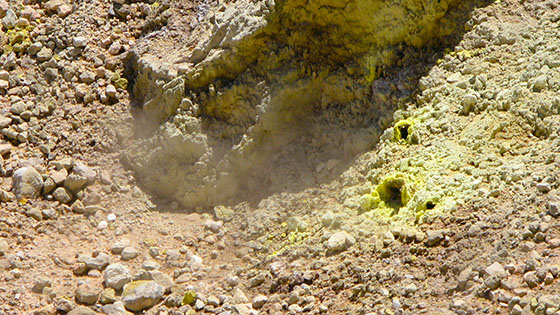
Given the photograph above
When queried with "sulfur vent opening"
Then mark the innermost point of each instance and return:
(278, 95)
(430, 205)
(393, 194)
(403, 131)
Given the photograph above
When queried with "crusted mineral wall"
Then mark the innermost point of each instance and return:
(274, 94)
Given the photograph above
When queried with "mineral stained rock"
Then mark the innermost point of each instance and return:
(283, 86)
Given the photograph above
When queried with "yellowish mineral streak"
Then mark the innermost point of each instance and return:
(258, 78)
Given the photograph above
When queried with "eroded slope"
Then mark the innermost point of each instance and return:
(276, 93)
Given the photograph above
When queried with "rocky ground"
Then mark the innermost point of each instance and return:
(453, 211)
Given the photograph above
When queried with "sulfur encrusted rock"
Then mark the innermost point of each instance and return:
(265, 98)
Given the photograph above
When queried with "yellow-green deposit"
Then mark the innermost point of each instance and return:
(285, 86)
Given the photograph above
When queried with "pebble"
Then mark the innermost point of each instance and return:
(27, 183)
(62, 195)
(239, 296)
(116, 308)
(150, 265)
(142, 294)
(79, 42)
(82, 310)
(98, 262)
(213, 301)
(531, 279)
(199, 304)
(434, 237)
(118, 247)
(116, 276)
(340, 241)
(496, 269)
(259, 301)
(541, 83)
(44, 54)
(40, 284)
(4, 247)
(88, 293)
(162, 279)
(129, 253)
(35, 214)
(74, 182)
(102, 225)
(85, 171)
(115, 48)
(111, 91)
(87, 77)
(213, 226)
(9, 21)
(544, 187)
(34, 48)
(108, 296)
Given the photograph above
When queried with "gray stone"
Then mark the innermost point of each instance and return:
(150, 265)
(87, 77)
(98, 262)
(554, 208)
(79, 41)
(6, 196)
(239, 296)
(44, 54)
(469, 102)
(5, 121)
(245, 309)
(199, 304)
(18, 107)
(4, 247)
(85, 171)
(213, 226)
(434, 237)
(48, 186)
(116, 308)
(541, 83)
(496, 269)
(64, 10)
(129, 253)
(516, 310)
(223, 213)
(111, 91)
(88, 293)
(108, 296)
(259, 301)
(75, 182)
(62, 195)
(40, 284)
(116, 276)
(162, 279)
(118, 247)
(59, 176)
(9, 21)
(544, 187)
(34, 48)
(531, 279)
(34, 213)
(81, 310)
(115, 48)
(340, 241)
(142, 294)
(213, 301)
(27, 183)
